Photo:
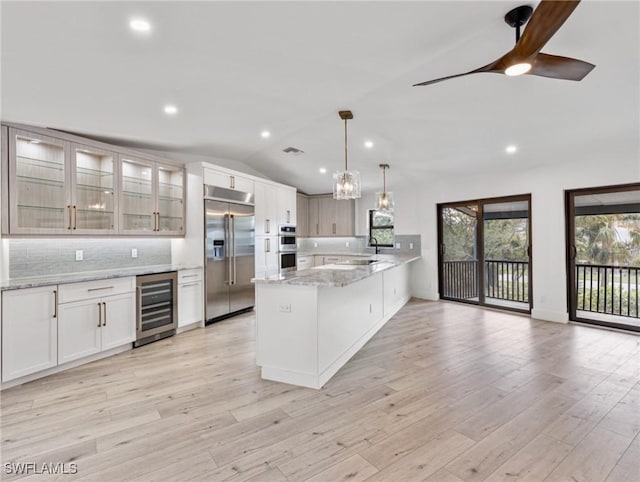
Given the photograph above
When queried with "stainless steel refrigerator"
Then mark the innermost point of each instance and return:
(229, 261)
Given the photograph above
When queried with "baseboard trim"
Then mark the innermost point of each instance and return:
(547, 315)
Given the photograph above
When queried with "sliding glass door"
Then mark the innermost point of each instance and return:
(603, 256)
(484, 252)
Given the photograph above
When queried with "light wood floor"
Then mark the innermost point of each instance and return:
(444, 393)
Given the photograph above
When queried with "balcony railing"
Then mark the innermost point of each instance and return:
(611, 290)
(504, 280)
(507, 280)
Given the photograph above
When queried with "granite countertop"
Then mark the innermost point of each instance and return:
(338, 275)
(35, 281)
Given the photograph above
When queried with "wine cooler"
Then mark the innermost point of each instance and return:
(157, 300)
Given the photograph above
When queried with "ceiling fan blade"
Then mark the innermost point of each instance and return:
(545, 21)
(492, 67)
(557, 67)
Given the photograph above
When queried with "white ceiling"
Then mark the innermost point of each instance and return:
(236, 68)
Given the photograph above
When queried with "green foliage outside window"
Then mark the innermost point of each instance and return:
(381, 228)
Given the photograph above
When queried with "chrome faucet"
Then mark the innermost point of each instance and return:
(371, 239)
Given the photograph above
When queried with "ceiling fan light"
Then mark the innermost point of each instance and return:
(518, 69)
(346, 185)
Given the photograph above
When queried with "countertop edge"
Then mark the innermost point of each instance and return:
(39, 281)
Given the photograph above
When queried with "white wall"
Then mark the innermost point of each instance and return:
(416, 214)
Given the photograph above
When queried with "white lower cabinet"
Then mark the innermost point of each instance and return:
(94, 324)
(29, 331)
(304, 262)
(190, 297)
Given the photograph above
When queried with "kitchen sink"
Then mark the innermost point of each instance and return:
(361, 262)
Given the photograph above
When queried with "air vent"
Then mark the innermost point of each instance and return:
(293, 151)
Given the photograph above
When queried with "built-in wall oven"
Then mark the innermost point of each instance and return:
(287, 248)
(157, 301)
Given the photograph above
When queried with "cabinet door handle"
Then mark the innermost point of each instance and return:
(189, 284)
(69, 210)
(99, 314)
(55, 303)
(103, 288)
(139, 300)
(75, 217)
(104, 320)
(334, 228)
(267, 245)
(267, 226)
(317, 228)
(233, 182)
(288, 216)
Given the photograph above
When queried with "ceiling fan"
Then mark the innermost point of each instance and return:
(525, 57)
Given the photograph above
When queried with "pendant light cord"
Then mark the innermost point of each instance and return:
(345, 145)
(384, 180)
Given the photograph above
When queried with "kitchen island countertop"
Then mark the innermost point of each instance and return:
(337, 275)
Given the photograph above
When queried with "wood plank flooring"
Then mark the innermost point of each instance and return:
(443, 393)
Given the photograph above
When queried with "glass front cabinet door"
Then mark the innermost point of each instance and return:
(94, 204)
(151, 197)
(138, 214)
(39, 184)
(170, 199)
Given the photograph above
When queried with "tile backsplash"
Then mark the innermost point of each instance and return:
(41, 257)
(408, 244)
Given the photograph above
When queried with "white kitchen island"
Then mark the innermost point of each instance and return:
(311, 322)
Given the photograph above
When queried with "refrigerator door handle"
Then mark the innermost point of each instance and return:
(233, 231)
(227, 242)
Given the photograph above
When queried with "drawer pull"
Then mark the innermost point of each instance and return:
(190, 275)
(103, 288)
(190, 284)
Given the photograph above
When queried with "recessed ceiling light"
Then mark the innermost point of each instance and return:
(322, 170)
(139, 25)
(265, 134)
(170, 109)
(368, 144)
(511, 149)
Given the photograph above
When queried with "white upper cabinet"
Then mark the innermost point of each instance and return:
(287, 205)
(69, 187)
(228, 180)
(266, 209)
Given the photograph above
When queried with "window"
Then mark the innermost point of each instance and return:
(381, 228)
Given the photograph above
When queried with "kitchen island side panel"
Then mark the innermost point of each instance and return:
(345, 314)
(287, 340)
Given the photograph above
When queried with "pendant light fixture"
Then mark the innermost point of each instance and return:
(346, 184)
(384, 199)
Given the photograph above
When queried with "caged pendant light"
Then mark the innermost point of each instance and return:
(346, 184)
(384, 199)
